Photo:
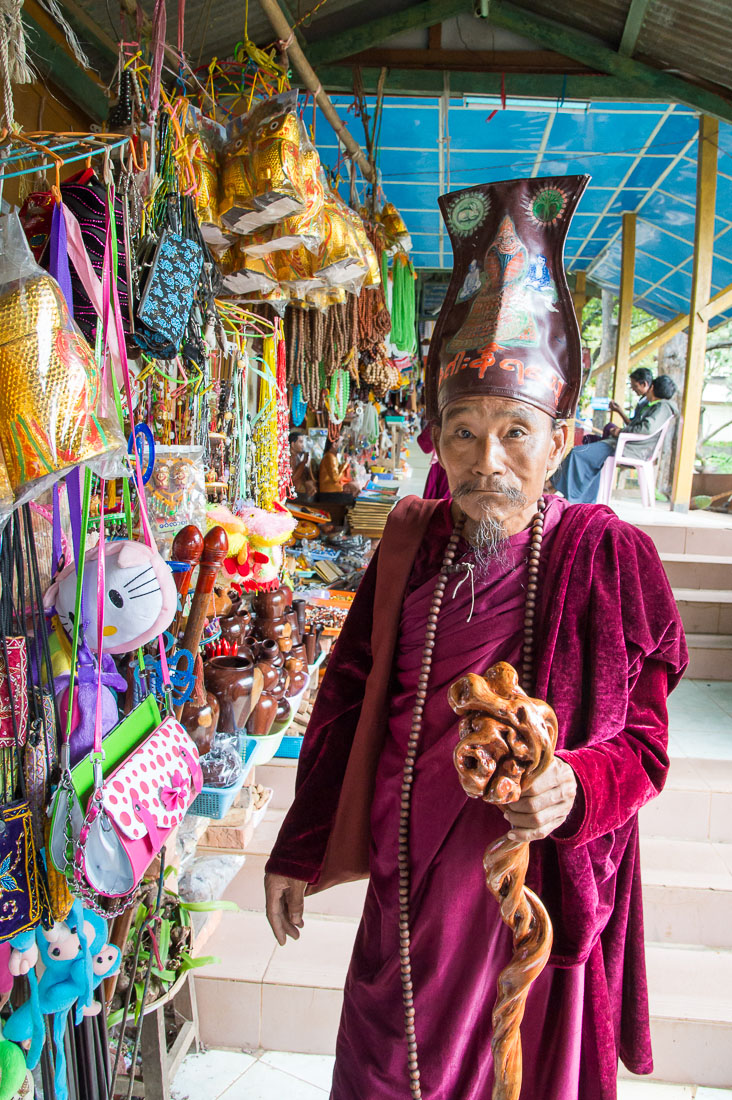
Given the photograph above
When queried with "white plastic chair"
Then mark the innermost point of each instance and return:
(645, 467)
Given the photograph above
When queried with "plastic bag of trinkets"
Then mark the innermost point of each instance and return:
(176, 493)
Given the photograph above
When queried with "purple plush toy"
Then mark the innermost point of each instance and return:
(85, 701)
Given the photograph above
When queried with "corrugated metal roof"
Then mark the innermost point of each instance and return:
(603, 19)
(689, 37)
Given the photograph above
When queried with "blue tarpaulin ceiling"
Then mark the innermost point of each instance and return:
(641, 156)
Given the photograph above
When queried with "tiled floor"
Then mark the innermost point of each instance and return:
(270, 1075)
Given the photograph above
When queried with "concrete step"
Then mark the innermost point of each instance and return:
(289, 998)
(711, 571)
(710, 656)
(705, 611)
(687, 892)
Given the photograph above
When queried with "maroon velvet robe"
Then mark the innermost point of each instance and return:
(609, 645)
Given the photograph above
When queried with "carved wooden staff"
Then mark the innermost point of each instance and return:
(507, 741)
(215, 547)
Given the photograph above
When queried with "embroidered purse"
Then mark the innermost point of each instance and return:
(170, 287)
(17, 667)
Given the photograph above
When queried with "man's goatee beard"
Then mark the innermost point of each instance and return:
(488, 540)
(487, 536)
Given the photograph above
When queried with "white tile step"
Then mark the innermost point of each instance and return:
(697, 570)
(690, 993)
(247, 888)
(696, 803)
(702, 595)
(290, 998)
(279, 998)
(687, 892)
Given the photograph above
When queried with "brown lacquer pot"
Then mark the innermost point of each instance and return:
(269, 661)
(263, 716)
(270, 605)
(279, 690)
(312, 643)
(291, 618)
(237, 684)
(299, 606)
(200, 721)
(283, 710)
(296, 665)
(276, 630)
(233, 629)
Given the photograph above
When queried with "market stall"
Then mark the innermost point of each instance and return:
(179, 292)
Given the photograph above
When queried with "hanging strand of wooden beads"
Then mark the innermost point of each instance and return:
(373, 313)
(352, 336)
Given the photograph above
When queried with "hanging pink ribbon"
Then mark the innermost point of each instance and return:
(159, 28)
(181, 27)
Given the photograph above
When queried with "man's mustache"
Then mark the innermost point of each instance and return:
(510, 492)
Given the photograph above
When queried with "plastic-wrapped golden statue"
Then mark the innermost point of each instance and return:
(262, 168)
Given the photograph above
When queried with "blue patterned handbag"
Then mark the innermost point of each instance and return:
(167, 300)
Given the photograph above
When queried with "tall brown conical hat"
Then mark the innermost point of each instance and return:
(508, 326)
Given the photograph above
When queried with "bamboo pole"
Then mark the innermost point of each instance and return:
(706, 198)
(290, 45)
(625, 309)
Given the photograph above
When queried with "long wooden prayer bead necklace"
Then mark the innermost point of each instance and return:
(532, 587)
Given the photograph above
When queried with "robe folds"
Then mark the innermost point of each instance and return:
(609, 646)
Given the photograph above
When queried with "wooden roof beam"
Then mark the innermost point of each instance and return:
(491, 61)
(363, 37)
(337, 78)
(633, 23)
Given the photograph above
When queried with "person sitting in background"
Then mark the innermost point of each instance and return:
(578, 477)
(334, 481)
(302, 476)
(641, 381)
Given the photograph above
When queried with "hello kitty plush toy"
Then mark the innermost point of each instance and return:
(140, 599)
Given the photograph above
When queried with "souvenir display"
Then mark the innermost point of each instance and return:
(176, 492)
(53, 406)
(170, 312)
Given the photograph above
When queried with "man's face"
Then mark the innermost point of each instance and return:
(640, 389)
(497, 453)
(298, 445)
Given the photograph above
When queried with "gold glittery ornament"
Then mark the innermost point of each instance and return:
(304, 228)
(244, 274)
(49, 386)
(261, 178)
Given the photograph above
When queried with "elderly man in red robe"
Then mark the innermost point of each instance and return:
(607, 648)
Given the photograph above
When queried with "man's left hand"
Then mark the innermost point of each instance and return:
(545, 805)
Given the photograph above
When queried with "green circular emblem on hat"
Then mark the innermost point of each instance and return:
(547, 205)
(468, 212)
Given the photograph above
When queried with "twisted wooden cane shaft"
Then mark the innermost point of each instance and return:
(505, 865)
(507, 742)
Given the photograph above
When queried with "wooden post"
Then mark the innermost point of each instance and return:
(625, 310)
(706, 197)
(579, 295)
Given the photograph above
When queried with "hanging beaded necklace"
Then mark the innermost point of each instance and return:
(405, 961)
